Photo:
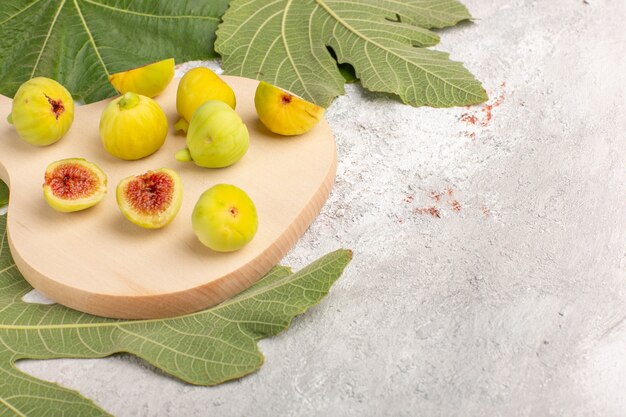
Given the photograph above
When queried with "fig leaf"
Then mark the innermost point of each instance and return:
(287, 43)
(4, 194)
(203, 348)
(80, 42)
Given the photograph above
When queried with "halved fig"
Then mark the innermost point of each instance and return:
(74, 184)
(151, 200)
(283, 113)
(149, 80)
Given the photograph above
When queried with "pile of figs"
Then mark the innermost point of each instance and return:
(133, 126)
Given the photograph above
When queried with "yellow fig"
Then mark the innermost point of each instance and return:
(284, 113)
(224, 218)
(74, 184)
(132, 127)
(198, 86)
(217, 136)
(42, 111)
(149, 80)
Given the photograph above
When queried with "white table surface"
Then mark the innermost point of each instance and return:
(512, 302)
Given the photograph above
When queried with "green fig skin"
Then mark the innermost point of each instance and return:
(224, 218)
(217, 137)
(42, 111)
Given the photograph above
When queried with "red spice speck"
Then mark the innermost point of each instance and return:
(488, 109)
(449, 191)
(456, 206)
(483, 116)
(432, 210)
(435, 196)
(469, 118)
(408, 198)
(485, 210)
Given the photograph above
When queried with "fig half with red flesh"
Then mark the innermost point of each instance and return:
(151, 200)
(74, 184)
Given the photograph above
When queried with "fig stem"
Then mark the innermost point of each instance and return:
(128, 101)
(183, 155)
(181, 125)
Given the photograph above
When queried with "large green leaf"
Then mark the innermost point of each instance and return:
(203, 348)
(80, 42)
(285, 43)
(4, 194)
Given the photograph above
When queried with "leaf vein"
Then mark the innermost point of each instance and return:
(90, 36)
(48, 34)
(14, 15)
(11, 408)
(155, 16)
(288, 51)
(176, 352)
(390, 50)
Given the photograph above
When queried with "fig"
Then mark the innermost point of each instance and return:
(217, 136)
(132, 127)
(150, 200)
(149, 80)
(197, 86)
(285, 113)
(74, 184)
(224, 218)
(42, 112)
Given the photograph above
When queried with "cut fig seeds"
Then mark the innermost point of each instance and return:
(151, 200)
(73, 184)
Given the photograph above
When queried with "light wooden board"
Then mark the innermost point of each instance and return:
(98, 262)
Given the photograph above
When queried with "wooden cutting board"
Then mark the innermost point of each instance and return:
(98, 262)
